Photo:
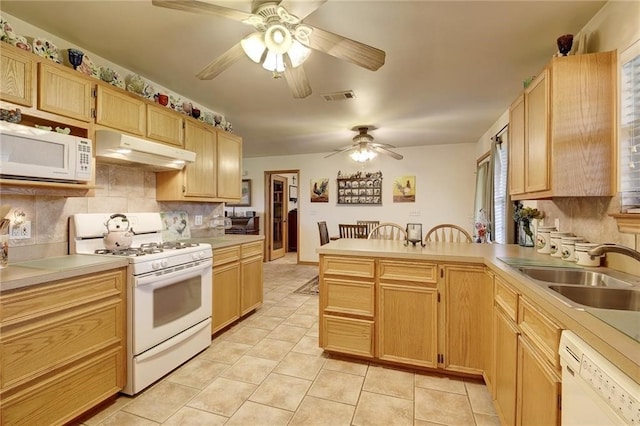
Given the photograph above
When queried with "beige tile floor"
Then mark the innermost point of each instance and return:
(268, 370)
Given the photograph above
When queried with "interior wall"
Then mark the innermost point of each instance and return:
(445, 180)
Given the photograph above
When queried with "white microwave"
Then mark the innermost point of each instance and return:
(29, 153)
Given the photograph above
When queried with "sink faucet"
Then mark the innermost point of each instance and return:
(614, 248)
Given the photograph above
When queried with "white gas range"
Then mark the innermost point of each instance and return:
(169, 288)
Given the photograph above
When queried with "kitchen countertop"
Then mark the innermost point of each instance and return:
(32, 272)
(612, 333)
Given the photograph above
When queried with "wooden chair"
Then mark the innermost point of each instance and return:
(324, 233)
(370, 224)
(388, 231)
(352, 231)
(448, 233)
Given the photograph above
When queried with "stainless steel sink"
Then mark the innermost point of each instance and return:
(599, 297)
(578, 277)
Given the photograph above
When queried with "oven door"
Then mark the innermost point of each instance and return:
(168, 303)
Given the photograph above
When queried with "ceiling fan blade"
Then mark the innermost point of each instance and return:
(344, 48)
(296, 80)
(341, 150)
(202, 7)
(387, 152)
(302, 9)
(221, 63)
(381, 145)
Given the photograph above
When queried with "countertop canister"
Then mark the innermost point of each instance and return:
(582, 256)
(543, 243)
(556, 242)
(568, 246)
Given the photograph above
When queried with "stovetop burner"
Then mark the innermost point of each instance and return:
(148, 248)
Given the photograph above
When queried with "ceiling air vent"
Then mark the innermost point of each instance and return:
(339, 96)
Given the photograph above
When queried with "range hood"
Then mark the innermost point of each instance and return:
(115, 147)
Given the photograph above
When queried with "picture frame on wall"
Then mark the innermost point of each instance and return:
(245, 198)
(360, 188)
(293, 193)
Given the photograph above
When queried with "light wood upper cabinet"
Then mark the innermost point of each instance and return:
(165, 125)
(17, 77)
(64, 92)
(214, 176)
(516, 146)
(229, 165)
(569, 130)
(467, 312)
(119, 110)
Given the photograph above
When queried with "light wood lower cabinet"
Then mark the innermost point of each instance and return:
(237, 283)
(408, 312)
(527, 387)
(63, 348)
(466, 329)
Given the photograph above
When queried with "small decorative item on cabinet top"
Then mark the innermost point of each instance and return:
(360, 188)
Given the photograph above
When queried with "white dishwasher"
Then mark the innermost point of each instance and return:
(594, 391)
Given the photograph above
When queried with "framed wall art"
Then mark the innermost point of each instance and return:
(320, 190)
(360, 188)
(245, 199)
(293, 193)
(404, 189)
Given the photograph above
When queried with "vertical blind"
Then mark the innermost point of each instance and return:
(630, 127)
(500, 190)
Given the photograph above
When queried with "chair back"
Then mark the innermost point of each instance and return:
(370, 224)
(448, 233)
(352, 231)
(324, 233)
(388, 231)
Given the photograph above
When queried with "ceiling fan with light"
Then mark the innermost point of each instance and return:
(363, 147)
(281, 42)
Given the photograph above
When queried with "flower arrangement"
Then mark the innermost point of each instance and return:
(523, 216)
(482, 227)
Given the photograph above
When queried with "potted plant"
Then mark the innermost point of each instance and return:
(523, 217)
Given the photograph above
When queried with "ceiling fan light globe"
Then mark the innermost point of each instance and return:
(298, 54)
(278, 39)
(274, 62)
(253, 47)
(363, 155)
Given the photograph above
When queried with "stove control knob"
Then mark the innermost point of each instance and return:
(196, 256)
(164, 263)
(155, 265)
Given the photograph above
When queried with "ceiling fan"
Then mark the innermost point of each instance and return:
(363, 147)
(281, 42)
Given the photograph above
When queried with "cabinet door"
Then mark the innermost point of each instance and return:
(537, 135)
(119, 110)
(200, 179)
(516, 146)
(17, 76)
(165, 125)
(226, 295)
(407, 324)
(229, 164)
(467, 318)
(251, 282)
(64, 92)
(505, 362)
(538, 393)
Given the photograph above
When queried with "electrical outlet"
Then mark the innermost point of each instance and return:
(557, 224)
(198, 219)
(21, 231)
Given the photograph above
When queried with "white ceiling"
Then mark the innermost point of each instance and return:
(452, 67)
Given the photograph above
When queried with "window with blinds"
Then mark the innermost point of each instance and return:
(500, 215)
(630, 128)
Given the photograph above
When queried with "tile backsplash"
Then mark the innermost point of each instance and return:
(121, 189)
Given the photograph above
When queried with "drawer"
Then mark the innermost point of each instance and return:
(349, 297)
(225, 255)
(31, 302)
(364, 268)
(506, 298)
(348, 335)
(66, 395)
(542, 332)
(60, 340)
(252, 249)
(419, 272)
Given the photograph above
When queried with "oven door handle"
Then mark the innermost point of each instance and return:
(173, 342)
(156, 281)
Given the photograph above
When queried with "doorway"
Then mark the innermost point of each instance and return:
(281, 213)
